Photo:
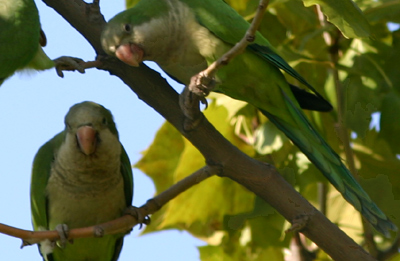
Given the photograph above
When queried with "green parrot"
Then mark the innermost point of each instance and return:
(81, 177)
(185, 36)
(22, 38)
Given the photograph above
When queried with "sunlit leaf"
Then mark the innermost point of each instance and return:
(213, 253)
(162, 157)
(345, 15)
(159, 162)
(269, 138)
(131, 3)
(388, 11)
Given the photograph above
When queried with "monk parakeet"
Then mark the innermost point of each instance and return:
(185, 36)
(81, 177)
(22, 39)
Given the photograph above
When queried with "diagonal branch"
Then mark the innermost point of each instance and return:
(119, 225)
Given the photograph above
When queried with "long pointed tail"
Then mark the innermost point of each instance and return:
(304, 136)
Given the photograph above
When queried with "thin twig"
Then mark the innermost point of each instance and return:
(180, 187)
(121, 224)
(249, 37)
(322, 196)
(191, 97)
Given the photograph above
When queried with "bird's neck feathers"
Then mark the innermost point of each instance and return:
(103, 166)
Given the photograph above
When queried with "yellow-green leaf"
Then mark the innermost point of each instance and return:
(345, 15)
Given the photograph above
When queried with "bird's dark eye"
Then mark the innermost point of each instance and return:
(127, 28)
(105, 122)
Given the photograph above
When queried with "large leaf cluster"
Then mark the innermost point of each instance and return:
(236, 224)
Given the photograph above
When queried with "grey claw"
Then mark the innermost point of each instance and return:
(136, 212)
(62, 230)
(202, 84)
(66, 63)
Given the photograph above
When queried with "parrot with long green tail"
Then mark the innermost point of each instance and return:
(81, 177)
(22, 38)
(185, 36)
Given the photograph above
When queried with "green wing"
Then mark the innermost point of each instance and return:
(19, 35)
(230, 27)
(222, 20)
(40, 175)
(126, 171)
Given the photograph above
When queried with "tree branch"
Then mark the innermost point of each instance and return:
(261, 178)
(119, 225)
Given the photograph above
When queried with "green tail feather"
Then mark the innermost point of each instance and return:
(329, 163)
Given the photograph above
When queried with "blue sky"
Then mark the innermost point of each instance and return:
(32, 110)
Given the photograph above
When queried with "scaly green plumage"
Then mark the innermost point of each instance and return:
(81, 183)
(185, 36)
(20, 38)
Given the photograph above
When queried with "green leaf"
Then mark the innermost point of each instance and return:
(340, 212)
(388, 11)
(390, 121)
(345, 15)
(395, 258)
(295, 17)
(214, 253)
(231, 105)
(207, 203)
(269, 138)
(379, 171)
(131, 3)
(162, 157)
(380, 189)
(159, 162)
(267, 220)
(391, 64)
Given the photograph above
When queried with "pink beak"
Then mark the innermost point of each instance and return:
(130, 54)
(87, 139)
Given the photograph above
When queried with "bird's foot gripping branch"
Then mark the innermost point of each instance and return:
(140, 214)
(202, 84)
(190, 105)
